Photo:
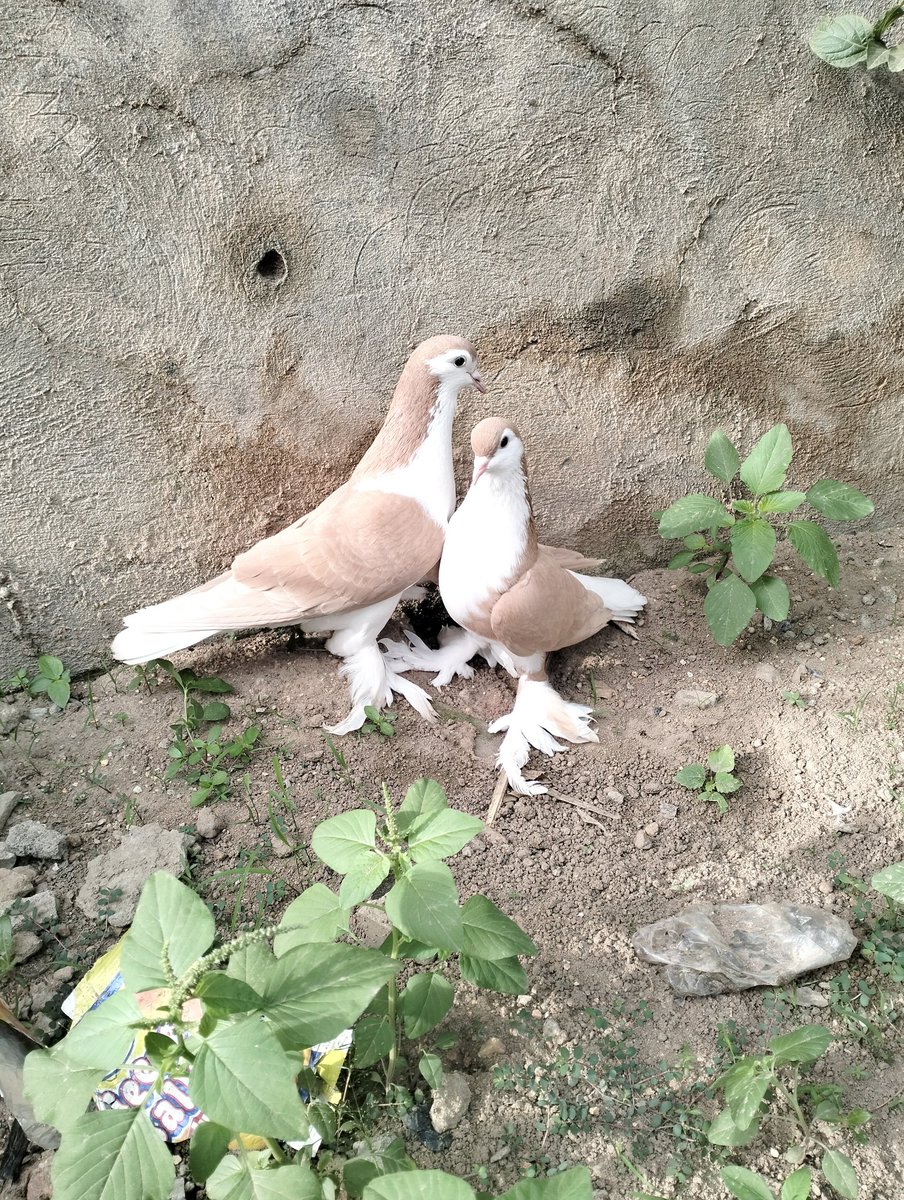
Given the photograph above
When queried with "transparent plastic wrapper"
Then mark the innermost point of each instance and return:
(712, 948)
(171, 1110)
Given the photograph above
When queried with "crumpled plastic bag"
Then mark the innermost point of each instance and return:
(712, 948)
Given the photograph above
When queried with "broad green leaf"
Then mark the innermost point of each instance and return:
(113, 1156)
(814, 546)
(692, 776)
(766, 465)
(721, 458)
(726, 783)
(424, 798)
(802, 1045)
(772, 597)
(797, 1185)
(746, 1096)
(319, 912)
(694, 541)
(745, 1184)
(216, 710)
(839, 1172)
(313, 992)
(343, 842)
(50, 666)
(418, 1185)
(424, 1002)
(209, 1145)
(374, 1037)
(781, 502)
(244, 1079)
(839, 501)
(729, 605)
(170, 924)
(502, 975)
(222, 994)
(442, 834)
(876, 54)
(489, 933)
(724, 1132)
(58, 691)
(431, 1067)
(210, 686)
(234, 1179)
(842, 41)
(890, 882)
(747, 507)
(721, 759)
(358, 1172)
(574, 1184)
(682, 559)
(59, 1091)
(690, 514)
(752, 547)
(103, 1036)
(364, 878)
(896, 57)
(424, 906)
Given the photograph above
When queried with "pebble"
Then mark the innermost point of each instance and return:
(40, 909)
(25, 945)
(15, 882)
(642, 840)
(7, 858)
(209, 822)
(693, 698)
(868, 599)
(667, 810)
(613, 796)
(651, 787)
(825, 886)
(31, 839)
(652, 828)
(766, 673)
(492, 1050)
(450, 1101)
(553, 1031)
(8, 801)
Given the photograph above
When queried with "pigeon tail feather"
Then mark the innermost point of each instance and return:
(623, 601)
(134, 646)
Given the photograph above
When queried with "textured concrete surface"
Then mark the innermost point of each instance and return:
(223, 225)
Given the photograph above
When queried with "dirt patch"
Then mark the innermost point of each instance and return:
(580, 889)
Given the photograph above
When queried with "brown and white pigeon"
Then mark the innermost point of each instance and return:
(516, 601)
(344, 566)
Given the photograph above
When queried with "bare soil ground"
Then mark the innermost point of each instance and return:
(579, 889)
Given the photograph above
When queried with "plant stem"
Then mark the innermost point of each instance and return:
(888, 20)
(277, 1151)
(790, 1098)
(393, 995)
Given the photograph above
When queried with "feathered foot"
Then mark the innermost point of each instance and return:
(540, 715)
(456, 648)
(372, 682)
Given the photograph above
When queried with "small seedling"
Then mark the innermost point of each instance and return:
(731, 542)
(853, 715)
(794, 699)
(53, 679)
(382, 723)
(850, 40)
(716, 780)
(771, 1084)
(18, 682)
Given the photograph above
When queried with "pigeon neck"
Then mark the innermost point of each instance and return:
(419, 416)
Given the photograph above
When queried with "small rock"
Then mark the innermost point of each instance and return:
(553, 1031)
(25, 945)
(692, 698)
(74, 840)
(492, 1050)
(642, 840)
(125, 870)
(808, 630)
(652, 828)
(868, 599)
(523, 809)
(857, 639)
(31, 839)
(825, 886)
(667, 810)
(8, 802)
(39, 909)
(39, 1185)
(807, 997)
(766, 673)
(280, 848)
(64, 975)
(15, 882)
(7, 858)
(804, 646)
(651, 787)
(450, 1101)
(613, 796)
(603, 691)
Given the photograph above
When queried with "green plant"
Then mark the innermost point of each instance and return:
(854, 715)
(773, 1084)
(382, 723)
(51, 679)
(715, 780)
(731, 542)
(7, 950)
(850, 40)
(794, 699)
(17, 682)
(251, 1009)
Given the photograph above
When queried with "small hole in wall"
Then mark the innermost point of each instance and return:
(272, 266)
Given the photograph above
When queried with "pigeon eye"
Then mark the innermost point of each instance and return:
(504, 441)
(460, 362)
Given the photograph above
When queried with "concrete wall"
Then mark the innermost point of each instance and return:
(653, 217)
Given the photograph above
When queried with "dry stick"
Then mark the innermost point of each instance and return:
(584, 804)
(498, 793)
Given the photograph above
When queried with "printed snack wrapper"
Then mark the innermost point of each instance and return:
(171, 1110)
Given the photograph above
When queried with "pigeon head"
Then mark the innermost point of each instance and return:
(498, 448)
(453, 360)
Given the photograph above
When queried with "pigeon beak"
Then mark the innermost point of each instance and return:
(477, 380)
(480, 465)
